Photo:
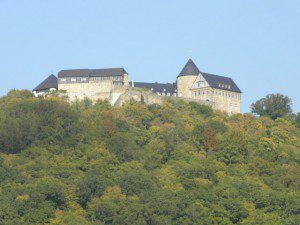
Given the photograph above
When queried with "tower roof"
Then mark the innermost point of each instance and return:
(49, 82)
(189, 69)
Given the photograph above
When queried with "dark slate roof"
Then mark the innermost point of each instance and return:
(92, 73)
(189, 69)
(49, 82)
(219, 82)
(157, 87)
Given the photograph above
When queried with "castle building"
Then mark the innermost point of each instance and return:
(48, 85)
(191, 83)
(94, 84)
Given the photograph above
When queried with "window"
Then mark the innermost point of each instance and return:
(91, 93)
(73, 79)
(168, 94)
(164, 89)
(228, 86)
(151, 89)
(83, 79)
(62, 79)
(195, 93)
(199, 92)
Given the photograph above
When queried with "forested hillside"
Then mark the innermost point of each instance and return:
(176, 163)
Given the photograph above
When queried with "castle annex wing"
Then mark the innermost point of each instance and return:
(221, 82)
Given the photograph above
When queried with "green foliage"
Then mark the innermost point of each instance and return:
(175, 163)
(273, 106)
(297, 120)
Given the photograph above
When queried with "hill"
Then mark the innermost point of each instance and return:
(174, 163)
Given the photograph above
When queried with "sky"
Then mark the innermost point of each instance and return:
(254, 42)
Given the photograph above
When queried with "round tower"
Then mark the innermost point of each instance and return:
(186, 78)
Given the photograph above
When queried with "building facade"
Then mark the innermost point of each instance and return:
(191, 83)
(94, 84)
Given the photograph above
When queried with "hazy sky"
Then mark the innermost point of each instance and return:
(253, 41)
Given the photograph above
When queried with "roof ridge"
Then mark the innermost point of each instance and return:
(214, 75)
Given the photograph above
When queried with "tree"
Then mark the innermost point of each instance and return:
(174, 163)
(273, 106)
(297, 120)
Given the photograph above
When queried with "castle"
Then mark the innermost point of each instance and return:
(191, 84)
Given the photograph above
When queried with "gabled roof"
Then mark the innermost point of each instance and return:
(220, 82)
(49, 82)
(92, 72)
(189, 69)
(157, 87)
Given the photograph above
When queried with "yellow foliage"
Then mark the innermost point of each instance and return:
(202, 181)
(59, 212)
(168, 178)
(167, 125)
(263, 186)
(134, 198)
(221, 175)
(250, 207)
(22, 198)
(113, 193)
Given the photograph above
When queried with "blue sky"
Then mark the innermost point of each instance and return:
(255, 42)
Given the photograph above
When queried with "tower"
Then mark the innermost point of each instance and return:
(186, 79)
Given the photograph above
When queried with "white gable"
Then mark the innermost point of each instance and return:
(200, 82)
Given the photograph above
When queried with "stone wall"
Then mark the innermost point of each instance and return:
(136, 94)
(118, 95)
(125, 94)
(227, 101)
